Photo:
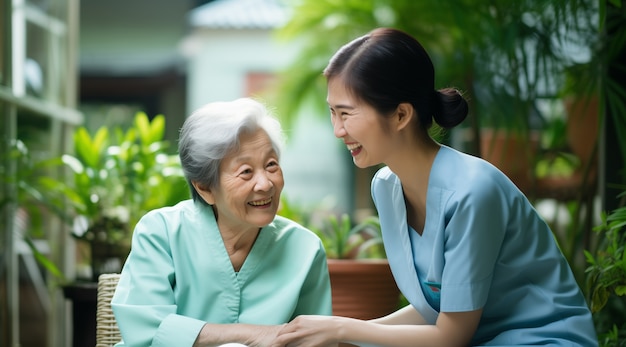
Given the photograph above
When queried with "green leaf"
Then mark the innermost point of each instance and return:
(47, 264)
(89, 151)
(157, 129)
(590, 259)
(142, 124)
(73, 163)
(616, 3)
(599, 299)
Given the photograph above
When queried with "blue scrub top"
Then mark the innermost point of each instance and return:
(178, 276)
(483, 246)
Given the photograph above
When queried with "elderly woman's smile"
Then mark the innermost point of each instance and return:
(251, 180)
(261, 203)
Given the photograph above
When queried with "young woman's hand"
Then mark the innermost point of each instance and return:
(309, 331)
(401, 330)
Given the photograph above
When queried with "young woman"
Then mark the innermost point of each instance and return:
(476, 262)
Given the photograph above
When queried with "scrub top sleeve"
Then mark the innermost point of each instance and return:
(144, 296)
(474, 235)
(315, 298)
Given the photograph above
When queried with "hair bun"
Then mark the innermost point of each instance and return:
(450, 107)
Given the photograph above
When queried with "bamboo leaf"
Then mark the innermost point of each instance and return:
(43, 260)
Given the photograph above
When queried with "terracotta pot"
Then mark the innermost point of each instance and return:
(582, 126)
(562, 188)
(582, 134)
(512, 153)
(363, 288)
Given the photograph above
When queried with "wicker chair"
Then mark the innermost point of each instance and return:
(107, 332)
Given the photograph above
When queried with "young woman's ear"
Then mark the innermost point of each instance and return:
(404, 115)
(204, 193)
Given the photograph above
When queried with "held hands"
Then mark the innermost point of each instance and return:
(319, 331)
(309, 331)
(264, 336)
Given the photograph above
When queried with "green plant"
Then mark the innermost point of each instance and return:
(113, 179)
(504, 54)
(554, 158)
(606, 279)
(296, 213)
(29, 179)
(118, 176)
(121, 175)
(344, 240)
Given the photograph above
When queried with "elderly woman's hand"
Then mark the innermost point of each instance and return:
(264, 336)
(231, 335)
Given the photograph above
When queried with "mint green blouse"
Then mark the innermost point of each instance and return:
(178, 276)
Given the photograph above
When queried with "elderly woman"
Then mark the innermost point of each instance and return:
(222, 267)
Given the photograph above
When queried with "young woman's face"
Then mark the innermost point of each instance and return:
(250, 184)
(359, 125)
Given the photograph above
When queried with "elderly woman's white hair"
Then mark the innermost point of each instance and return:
(212, 132)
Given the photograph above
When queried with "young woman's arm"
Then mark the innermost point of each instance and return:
(406, 315)
(451, 329)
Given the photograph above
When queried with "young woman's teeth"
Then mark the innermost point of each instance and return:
(261, 202)
(353, 146)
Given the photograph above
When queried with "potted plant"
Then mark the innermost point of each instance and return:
(361, 279)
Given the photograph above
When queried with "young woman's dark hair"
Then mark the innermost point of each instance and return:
(387, 67)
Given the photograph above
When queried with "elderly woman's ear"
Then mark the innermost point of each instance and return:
(205, 193)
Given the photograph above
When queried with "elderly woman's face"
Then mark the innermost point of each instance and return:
(250, 184)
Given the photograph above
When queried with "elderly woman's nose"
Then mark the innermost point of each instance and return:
(263, 182)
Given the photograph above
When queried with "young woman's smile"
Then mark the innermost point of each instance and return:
(357, 124)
